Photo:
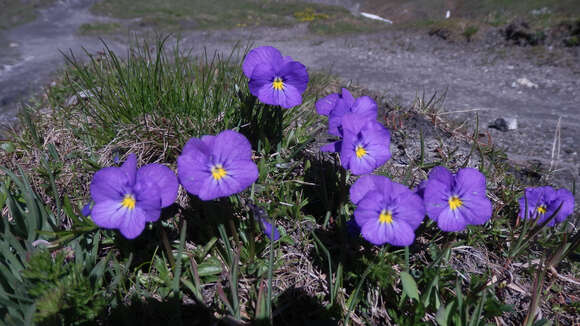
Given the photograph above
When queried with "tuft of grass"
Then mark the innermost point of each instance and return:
(99, 28)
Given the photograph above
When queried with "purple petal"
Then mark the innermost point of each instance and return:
(149, 203)
(475, 209)
(230, 145)
(108, 214)
(240, 175)
(395, 233)
(363, 186)
(347, 98)
(286, 98)
(564, 196)
(436, 198)
(420, 189)
(133, 223)
(193, 171)
(269, 229)
(369, 208)
(410, 207)
(160, 177)
(130, 168)
(86, 211)
(451, 220)
(326, 104)
(262, 77)
(365, 107)
(264, 55)
(295, 74)
(335, 118)
(332, 147)
(245, 172)
(196, 147)
(442, 175)
(469, 181)
(109, 184)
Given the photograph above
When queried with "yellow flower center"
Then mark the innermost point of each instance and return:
(455, 203)
(360, 151)
(541, 209)
(386, 217)
(278, 84)
(218, 172)
(128, 201)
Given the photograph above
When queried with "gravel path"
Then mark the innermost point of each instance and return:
(478, 77)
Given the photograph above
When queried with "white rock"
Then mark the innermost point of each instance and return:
(526, 83)
(375, 17)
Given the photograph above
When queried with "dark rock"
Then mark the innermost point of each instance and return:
(442, 33)
(504, 124)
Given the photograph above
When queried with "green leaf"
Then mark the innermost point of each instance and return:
(409, 286)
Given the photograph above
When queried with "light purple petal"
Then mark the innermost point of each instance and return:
(369, 208)
(469, 181)
(365, 107)
(451, 220)
(149, 203)
(436, 198)
(326, 104)
(347, 97)
(287, 98)
(130, 168)
(263, 55)
(245, 172)
(475, 209)
(161, 178)
(192, 173)
(262, 77)
(295, 74)
(335, 118)
(195, 148)
(133, 223)
(332, 147)
(567, 209)
(109, 184)
(395, 233)
(442, 175)
(363, 186)
(231, 145)
(108, 214)
(410, 208)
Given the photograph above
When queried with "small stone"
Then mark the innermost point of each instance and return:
(13, 45)
(504, 124)
(526, 83)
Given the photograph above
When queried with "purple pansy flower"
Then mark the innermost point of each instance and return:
(364, 107)
(268, 227)
(387, 212)
(543, 203)
(274, 79)
(365, 144)
(325, 105)
(125, 197)
(217, 166)
(454, 201)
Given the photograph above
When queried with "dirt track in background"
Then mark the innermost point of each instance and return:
(477, 77)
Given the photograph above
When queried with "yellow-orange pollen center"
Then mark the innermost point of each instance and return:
(360, 151)
(278, 84)
(541, 209)
(455, 202)
(218, 172)
(386, 217)
(128, 201)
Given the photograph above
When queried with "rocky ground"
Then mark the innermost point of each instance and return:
(537, 87)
